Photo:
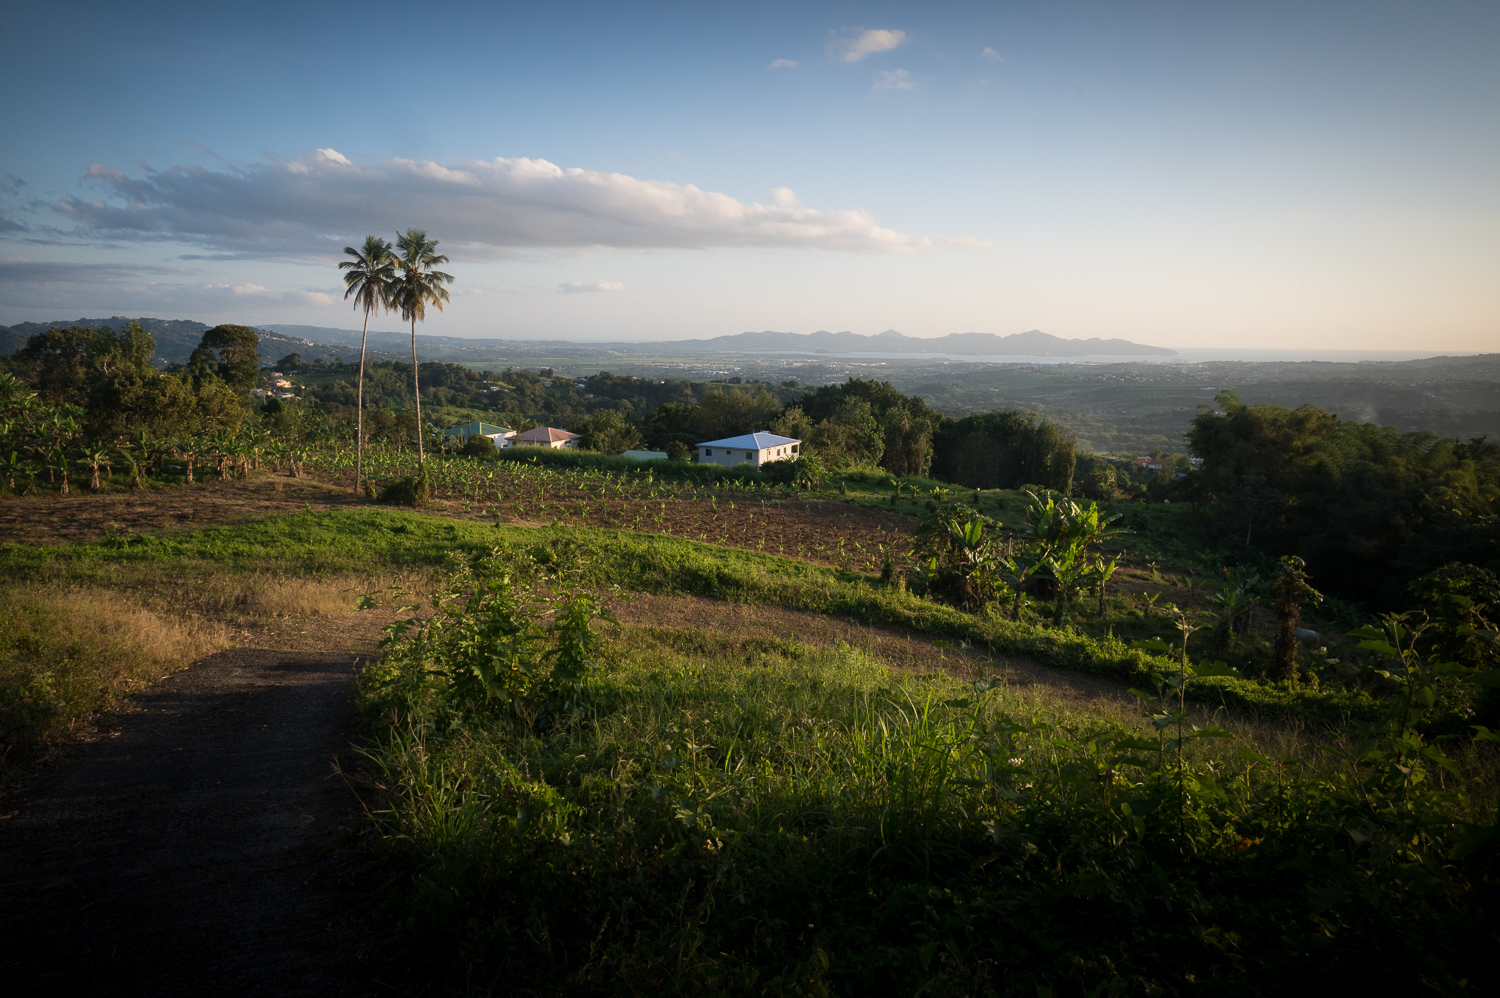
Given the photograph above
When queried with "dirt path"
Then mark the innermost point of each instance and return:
(180, 853)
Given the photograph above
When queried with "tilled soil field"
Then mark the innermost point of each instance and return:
(83, 516)
(816, 530)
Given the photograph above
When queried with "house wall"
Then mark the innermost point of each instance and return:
(729, 458)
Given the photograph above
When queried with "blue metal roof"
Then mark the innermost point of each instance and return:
(750, 441)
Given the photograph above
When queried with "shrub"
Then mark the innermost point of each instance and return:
(479, 445)
(804, 472)
(413, 490)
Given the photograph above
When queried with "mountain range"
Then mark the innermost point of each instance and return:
(176, 339)
(1034, 343)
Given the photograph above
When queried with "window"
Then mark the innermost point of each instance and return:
(708, 452)
(749, 455)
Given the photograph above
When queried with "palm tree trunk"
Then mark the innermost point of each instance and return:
(359, 408)
(416, 390)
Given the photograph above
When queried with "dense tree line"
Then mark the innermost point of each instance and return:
(1368, 507)
(1006, 450)
(105, 380)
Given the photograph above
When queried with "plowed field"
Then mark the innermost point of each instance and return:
(817, 530)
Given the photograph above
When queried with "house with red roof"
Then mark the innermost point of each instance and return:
(548, 436)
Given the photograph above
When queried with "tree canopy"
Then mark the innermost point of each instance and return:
(230, 354)
(1366, 506)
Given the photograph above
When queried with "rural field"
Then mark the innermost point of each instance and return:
(578, 730)
(846, 500)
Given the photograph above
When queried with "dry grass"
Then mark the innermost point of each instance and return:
(72, 649)
(256, 596)
(67, 653)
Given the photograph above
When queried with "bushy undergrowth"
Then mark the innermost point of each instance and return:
(67, 653)
(675, 812)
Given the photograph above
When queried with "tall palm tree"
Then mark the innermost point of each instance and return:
(417, 286)
(369, 278)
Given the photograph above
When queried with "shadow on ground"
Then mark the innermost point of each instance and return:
(180, 853)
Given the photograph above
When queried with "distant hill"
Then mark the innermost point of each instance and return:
(458, 348)
(463, 349)
(1034, 343)
(177, 338)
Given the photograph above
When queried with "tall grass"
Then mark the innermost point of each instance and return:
(715, 816)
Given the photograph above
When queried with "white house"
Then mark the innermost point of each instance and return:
(549, 436)
(753, 448)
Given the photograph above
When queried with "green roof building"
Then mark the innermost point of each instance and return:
(502, 435)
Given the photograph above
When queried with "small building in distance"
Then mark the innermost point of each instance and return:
(646, 455)
(503, 436)
(548, 436)
(752, 448)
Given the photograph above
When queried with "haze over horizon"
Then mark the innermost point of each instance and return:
(1292, 176)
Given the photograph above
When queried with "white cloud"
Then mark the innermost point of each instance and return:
(893, 79)
(784, 197)
(303, 297)
(592, 287)
(316, 205)
(867, 43)
(783, 64)
(991, 54)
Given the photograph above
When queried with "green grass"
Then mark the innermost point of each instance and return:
(711, 816)
(375, 541)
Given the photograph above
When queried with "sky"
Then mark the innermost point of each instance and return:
(1196, 174)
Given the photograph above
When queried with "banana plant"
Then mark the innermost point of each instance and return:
(133, 462)
(1101, 571)
(13, 465)
(1231, 608)
(59, 467)
(95, 457)
(1020, 571)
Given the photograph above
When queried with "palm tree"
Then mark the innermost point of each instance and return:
(369, 278)
(417, 286)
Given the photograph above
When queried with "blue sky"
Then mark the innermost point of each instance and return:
(1190, 174)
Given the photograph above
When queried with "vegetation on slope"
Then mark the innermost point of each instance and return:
(566, 811)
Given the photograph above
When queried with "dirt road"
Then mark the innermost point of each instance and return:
(180, 853)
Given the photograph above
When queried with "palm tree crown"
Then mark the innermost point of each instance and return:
(369, 275)
(419, 284)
